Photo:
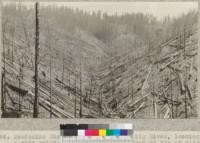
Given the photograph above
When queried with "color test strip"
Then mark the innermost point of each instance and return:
(109, 132)
(91, 132)
(116, 132)
(69, 132)
(81, 133)
(102, 132)
(96, 130)
(96, 126)
(121, 126)
(124, 132)
(74, 126)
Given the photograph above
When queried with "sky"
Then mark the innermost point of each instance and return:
(158, 9)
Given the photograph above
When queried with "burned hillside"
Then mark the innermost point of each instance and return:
(95, 65)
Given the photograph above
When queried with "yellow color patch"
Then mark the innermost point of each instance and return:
(102, 132)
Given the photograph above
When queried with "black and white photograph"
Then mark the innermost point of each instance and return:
(117, 60)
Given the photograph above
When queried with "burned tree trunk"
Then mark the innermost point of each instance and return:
(185, 93)
(2, 94)
(80, 113)
(19, 100)
(3, 77)
(69, 85)
(12, 31)
(35, 108)
(63, 70)
(172, 99)
(75, 98)
(50, 83)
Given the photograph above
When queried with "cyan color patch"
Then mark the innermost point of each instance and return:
(116, 132)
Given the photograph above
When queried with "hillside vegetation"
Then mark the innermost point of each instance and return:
(98, 65)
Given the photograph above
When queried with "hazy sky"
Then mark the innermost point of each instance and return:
(158, 9)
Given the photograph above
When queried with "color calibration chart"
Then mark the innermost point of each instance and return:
(96, 133)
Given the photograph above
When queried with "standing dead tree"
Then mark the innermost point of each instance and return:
(50, 83)
(90, 90)
(100, 102)
(171, 93)
(20, 77)
(12, 32)
(27, 36)
(80, 112)
(3, 101)
(35, 108)
(184, 46)
(48, 41)
(75, 96)
(63, 69)
(2, 94)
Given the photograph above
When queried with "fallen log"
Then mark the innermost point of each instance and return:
(145, 84)
(17, 89)
(182, 87)
(138, 100)
(166, 65)
(136, 110)
(188, 91)
(167, 113)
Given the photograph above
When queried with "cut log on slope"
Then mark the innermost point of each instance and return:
(145, 87)
(54, 107)
(8, 91)
(172, 56)
(180, 79)
(166, 65)
(41, 103)
(30, 101)
(45, 87)
(56, 97)
(17, 89)
(165, 96)
(62, 98)
(155, 110)
(130, 108)
(167, 113)
(188, 91)
(136, 110)
(56, 114)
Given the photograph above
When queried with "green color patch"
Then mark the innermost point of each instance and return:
(109, 132)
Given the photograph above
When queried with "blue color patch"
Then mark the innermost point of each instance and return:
(124, 132)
